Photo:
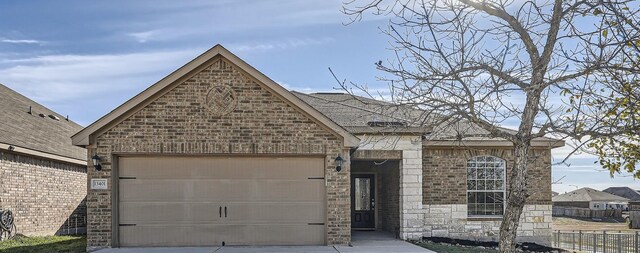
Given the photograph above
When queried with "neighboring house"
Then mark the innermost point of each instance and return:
(625, 192)
(553, 194)
(43, 178)
(590, 199)
(217, 153)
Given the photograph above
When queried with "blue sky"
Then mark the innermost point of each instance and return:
(84, 58)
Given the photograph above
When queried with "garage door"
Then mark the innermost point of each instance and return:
(205, 201)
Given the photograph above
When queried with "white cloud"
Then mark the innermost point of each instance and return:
(143, 37)
(303, 89)
(281, 44)
(62, 80)
(561, 153)
(206, 19)
(13, 41)
(59, 78)
(579, 168)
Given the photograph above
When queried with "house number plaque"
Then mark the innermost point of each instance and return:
(99, 184)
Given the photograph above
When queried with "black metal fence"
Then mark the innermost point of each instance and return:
(597, 241)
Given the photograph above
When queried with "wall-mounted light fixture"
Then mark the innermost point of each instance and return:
(339, 161)
(96, 162)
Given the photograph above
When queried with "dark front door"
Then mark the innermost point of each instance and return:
(363, 201)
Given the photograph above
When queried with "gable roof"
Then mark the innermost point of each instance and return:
(42, 132)
(588, 194)
(87, 135)
(624, 192)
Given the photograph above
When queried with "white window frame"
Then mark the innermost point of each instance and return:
(503, 191)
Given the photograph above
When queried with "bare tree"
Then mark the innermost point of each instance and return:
(544, 67)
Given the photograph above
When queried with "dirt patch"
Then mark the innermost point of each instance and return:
(523, 247)
(570, 224)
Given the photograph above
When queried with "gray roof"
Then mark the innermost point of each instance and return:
(365, 115)
(31, 131)
(624, 192)
(588, 194)
(354, 113)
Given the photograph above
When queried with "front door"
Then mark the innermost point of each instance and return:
(363, 201)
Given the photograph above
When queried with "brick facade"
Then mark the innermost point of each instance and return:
(445, 173)
(45, 196)
(177, 122)
(445, 195)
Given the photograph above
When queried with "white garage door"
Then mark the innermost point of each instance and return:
(205, 201)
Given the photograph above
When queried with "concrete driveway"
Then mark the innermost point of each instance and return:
(364, 241)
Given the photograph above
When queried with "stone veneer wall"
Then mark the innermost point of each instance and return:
(42, 194)
(412, 213)
(451, 221)
(262, 124)
(444, 199)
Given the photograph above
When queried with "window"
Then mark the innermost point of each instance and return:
(485, 186)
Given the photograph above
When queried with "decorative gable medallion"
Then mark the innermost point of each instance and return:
(220, 100)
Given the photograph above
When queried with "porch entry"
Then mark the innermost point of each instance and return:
(375, 195)
(363, 200)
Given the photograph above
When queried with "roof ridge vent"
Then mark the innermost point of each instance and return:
(377, 123)
(54, 117)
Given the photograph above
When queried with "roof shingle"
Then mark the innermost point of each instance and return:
(588, 194)
(624, 192)
(354, 113)
(365, 115)
(32, 131)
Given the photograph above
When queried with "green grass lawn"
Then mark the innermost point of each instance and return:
(44, 244)
(448, 248)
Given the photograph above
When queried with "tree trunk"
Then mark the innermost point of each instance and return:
(517, 195)
(517, 189)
